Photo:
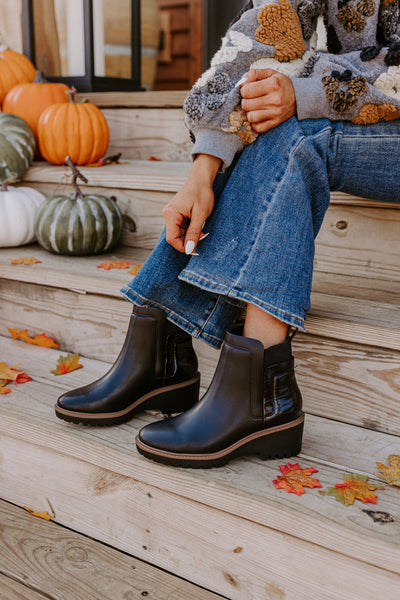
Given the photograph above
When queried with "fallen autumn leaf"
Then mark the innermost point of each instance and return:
(39, 340)
(294, 479)
(355, 487)
(390, 474)
(115, 264)
(67, 364)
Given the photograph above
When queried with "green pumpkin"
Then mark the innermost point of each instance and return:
(17, 147)
(78, 225)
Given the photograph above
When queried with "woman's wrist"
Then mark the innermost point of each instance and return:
(205, 167)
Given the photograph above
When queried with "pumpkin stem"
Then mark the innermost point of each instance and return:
(7, 182)
(71, 94)
(76, 174)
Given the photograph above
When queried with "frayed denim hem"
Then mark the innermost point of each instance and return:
(209, 285)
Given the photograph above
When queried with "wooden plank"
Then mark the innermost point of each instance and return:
(132, 175)
(243, 488)
(380, 310)
(362, 288)
(158, 176)
(12, 590)
(176, 534)
(145, 208)
(376, 328)
(71, 272)
(141, 133)
(73, 319)
(40, 553)
(349, 382)
(360, 241)
(354, 383)
(353, 332)
(165, 99)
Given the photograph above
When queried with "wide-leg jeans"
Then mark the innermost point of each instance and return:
(269, 208)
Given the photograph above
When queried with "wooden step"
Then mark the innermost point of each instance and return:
(372, 318)
(347, 370)
(76, 566)
(164, 99)
(145, 124)
(359, 238)
(228, 530)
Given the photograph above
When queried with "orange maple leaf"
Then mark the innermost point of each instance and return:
(25, 260)
(355, 487)
(115, 264)
(38, 340)
(11, 374)
(294, 479)
(135, 269)
(66, 364)
(390, 474)
(3, 388)
(42, 515)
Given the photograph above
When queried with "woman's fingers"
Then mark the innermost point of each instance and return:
(193, 233)
(268, 99)
(261, 88)
(258, 116)
(176, 225)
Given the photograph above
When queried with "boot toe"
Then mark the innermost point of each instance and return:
(72, 401)
(162, 435)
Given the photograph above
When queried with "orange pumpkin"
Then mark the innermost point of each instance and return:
(15, 68)
(29, 100)
(79, 131)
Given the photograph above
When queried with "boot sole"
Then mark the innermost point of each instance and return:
(170, 399)
(277, 442)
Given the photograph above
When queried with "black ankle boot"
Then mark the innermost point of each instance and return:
(156, 369)
(253, 406)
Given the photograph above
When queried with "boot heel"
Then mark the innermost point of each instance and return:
(282, 444)
(179, 399)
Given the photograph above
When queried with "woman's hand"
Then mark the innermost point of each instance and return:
(268, 99)
(192, 205)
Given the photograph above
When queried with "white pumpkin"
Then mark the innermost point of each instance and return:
(18, 208)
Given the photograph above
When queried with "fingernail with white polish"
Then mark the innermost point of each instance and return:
(241, 81)
(190, 246)
(203, 237)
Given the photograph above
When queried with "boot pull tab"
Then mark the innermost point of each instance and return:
(292, 332)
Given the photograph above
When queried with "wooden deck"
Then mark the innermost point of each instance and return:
(41, 560)
(226, 530)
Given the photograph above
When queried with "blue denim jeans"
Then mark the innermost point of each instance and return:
(269, 208)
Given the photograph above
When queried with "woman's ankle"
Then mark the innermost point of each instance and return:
(262, 326)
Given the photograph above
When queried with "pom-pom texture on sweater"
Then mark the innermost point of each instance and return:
(357, 79)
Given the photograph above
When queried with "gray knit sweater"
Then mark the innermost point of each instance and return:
(357, 79)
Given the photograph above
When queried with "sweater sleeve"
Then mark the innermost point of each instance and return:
(361, 85)
(213, 112)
